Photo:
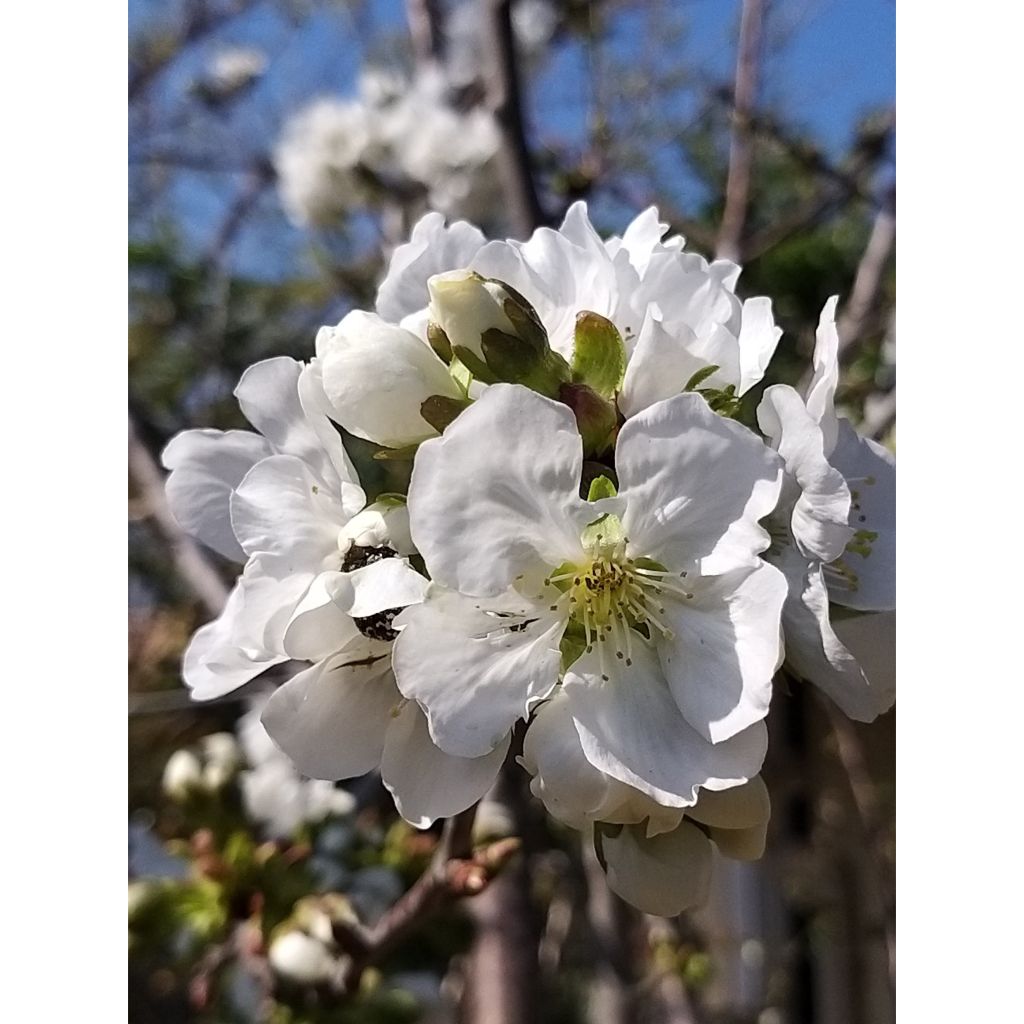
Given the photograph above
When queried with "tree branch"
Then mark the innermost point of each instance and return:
(869, 274)
(741, 149)
(455, 872)
(425, 31)
(503, 100)
(855, 767)
(189, 559)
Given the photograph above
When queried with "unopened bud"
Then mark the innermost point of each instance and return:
(183, 775)
(596, 417)
(463, 305)
(300, 958)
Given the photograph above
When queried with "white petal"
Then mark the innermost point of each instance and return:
(570, 787)
(871, 639)
(740, 843)
(427, 783)
(660, 366)
(663, 875)
(464, 306)
(819, 517)
(815, 652)
(870, 471)
(497, 495)
(642, 237)
(695, 485)
(379, 586)
(331, 718)
(631, 729)
(475, 665)
(319, 626)
(206, 466)
(725, 649)
(268, 394)
(741, 807)
(757, 340)
(318, 411)
(821, 393)
(280, 508)
(431, 249)
(246, 638)
(557, 277)
(376, 376)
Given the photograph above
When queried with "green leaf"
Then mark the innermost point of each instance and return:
(601, 487)
(599, 356)
(510, 359)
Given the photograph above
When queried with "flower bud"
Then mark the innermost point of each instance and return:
(463, 305)
(595, 417)
(183, 775)
(300, 958)
(223, 759)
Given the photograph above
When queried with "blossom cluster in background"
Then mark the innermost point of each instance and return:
(422, 136)
(612, 539)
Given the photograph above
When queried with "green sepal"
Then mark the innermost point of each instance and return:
(700, 376)
(476, 366)
(440, 410)
(573, 644)
(439, 341)
(599, 356)
(461, 374)
(601, 487)
(512, 360)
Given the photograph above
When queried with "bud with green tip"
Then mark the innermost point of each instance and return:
(493, 331)
(599, 355)
(596, 417)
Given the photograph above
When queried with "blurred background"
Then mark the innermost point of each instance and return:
(278, 151)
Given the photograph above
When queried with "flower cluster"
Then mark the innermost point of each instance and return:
(396, 136)
(601, 554)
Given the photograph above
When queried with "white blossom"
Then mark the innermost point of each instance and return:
(834, 531)
(666, 618)
(658, 858)
(232, 68)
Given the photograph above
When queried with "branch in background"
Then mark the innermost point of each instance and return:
(425, 31)
(200, 21)
(869, 274)
(741, 148)
(503, 100)
(862, 788)
(609, 1000)
(455, 872)
(668, 989)
(502, 967)
(261, 174)
(189, 559)
(842, 184)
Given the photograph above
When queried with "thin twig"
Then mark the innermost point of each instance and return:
(455, 872)
(741, 148)
(190, 561)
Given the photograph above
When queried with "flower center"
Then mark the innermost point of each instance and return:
(612, 597)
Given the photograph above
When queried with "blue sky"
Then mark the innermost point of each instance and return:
(833, 61)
